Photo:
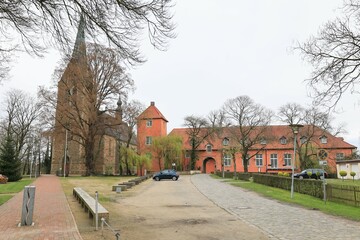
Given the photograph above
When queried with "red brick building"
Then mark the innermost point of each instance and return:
(271, 155)
(151, 123)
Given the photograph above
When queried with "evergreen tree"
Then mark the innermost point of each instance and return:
(47, 159)
(10, 165)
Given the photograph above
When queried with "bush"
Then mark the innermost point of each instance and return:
(309, 187)
(343, 174)
(353, 175)
(3, 179)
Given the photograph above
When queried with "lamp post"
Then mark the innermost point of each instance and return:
(295, 129)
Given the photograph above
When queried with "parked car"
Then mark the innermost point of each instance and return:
(315, 173)
(166, 174)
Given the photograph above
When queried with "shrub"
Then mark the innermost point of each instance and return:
(286, 174)
(280, 174)
(353, 175)
(309, 174)
(343, 174)
(3, 179)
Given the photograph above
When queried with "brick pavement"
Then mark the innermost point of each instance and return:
(52, 215)
(277, 220)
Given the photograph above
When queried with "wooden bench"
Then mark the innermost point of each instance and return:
(88, 203)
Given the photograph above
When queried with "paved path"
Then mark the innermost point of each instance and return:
(52, 215)
(278, 220)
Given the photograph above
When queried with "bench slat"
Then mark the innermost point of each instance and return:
(88, 203)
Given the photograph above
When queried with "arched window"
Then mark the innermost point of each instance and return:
(283, 140)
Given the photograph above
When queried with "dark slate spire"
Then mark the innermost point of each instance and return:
(80, 47)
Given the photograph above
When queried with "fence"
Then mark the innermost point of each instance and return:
(343, 194)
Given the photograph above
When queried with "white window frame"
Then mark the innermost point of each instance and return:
(227, 160)
(225, 142)
(149, 123)
(148, 140)
(323, 140)
(287, 159)
(259, 160)
(340, 156)
(274, 160)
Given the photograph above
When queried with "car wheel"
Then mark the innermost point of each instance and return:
(174, 178)
(301, 177)
(157, 179)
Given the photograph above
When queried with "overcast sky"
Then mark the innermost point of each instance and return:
(224, 49)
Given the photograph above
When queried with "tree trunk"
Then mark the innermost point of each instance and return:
(234, 160)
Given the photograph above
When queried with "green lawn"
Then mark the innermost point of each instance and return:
(8, 190)
(303, 200)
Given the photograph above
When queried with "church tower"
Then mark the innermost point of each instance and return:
(71, 109)
(151, 123)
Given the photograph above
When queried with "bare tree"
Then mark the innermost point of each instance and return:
(249, 123)
(198, 130)
(291, 113)
(335, 56)
(87, 93)
(316, 123)
(33, 25)
(22, 112)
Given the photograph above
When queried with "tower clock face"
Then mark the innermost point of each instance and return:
(322, 154)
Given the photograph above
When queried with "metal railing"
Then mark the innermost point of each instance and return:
(103, 222)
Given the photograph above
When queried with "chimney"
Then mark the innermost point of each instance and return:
(152, 103)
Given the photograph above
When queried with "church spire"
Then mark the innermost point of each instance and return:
(119, 111)
(79, 46)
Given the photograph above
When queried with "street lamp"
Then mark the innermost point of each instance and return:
(295, 129)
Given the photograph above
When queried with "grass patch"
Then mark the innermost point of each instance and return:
(309, 202)
(4, 198)
(9, 189)
(15, 187)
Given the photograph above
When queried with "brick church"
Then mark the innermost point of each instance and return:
(74, 111)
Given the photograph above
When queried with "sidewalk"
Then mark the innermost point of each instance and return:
(52, 215)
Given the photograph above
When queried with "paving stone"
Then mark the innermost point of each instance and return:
(52, 215)
(277, 220)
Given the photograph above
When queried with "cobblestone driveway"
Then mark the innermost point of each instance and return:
(278, 220)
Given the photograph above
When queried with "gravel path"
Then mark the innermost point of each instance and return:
(277, 220)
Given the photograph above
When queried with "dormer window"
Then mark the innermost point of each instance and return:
(303, 139)
(208, 148)
(323, 140)
(283, 140)
(225, 142)
(263, 141)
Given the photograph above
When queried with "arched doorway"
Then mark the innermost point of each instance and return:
(209, 165)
